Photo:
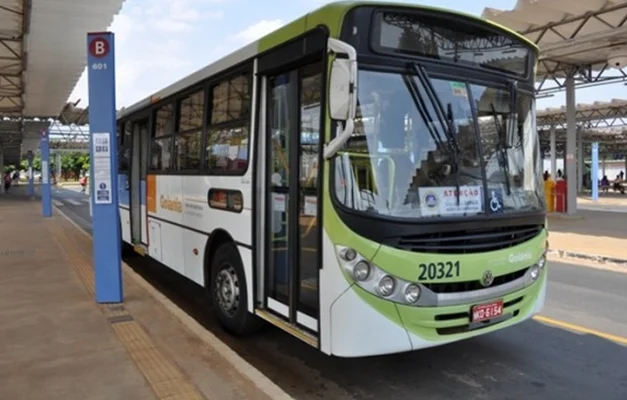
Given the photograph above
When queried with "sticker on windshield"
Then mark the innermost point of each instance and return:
(495, 200)
(442, 201)
(459, 89)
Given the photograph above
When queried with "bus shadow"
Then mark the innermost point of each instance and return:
(528, 361)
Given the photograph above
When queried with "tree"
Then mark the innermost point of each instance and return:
(36, 163)
(72, 164)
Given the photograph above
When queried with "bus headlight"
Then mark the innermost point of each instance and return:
(348, 254)
(361, 271)
(534, 272)
(412, 293)
(542, 261)
(386, 286)
(375, 281)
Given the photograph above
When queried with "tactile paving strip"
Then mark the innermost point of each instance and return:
(163, 376)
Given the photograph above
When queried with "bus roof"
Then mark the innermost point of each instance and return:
(332, 14)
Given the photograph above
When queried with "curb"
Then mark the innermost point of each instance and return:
(256, 377)
(556, 215)
(567, 254)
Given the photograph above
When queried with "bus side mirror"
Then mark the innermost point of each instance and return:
(342, 95)
(340, 90)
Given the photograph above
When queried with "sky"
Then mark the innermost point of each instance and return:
(161, 41)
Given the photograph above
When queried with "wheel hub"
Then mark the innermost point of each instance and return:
(227, 290)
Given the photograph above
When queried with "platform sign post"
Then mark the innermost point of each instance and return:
(103, 167)
(46, 195)
(594, 171)
(31, 176)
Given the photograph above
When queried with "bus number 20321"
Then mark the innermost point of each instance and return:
(439, 270)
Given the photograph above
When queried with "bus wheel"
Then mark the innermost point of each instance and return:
(228, 292)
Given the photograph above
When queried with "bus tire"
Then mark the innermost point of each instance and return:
(229, 300)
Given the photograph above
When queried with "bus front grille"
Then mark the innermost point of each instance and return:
(468, 241)
(469, 286)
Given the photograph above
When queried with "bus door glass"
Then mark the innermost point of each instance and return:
(137, 180)
(293, 229)
(124, 159)
(144, 140)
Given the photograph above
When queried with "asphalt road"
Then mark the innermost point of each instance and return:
(540, 359)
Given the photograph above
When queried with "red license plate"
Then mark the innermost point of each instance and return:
(482, 312)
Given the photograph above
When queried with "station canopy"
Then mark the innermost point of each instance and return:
(43, 46)
(586, 39)
(604, 122)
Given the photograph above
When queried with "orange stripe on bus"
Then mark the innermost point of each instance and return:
(151, 193)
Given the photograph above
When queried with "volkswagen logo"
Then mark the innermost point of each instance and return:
(487, 278)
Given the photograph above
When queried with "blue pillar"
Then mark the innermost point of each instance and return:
(46, 195)
(31, 177)
(103, 167)
(594, 171)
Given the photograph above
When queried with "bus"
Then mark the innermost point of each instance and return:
(366, 178)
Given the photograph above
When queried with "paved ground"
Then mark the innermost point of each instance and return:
(594, 232)
(611, 198)
(55, 343)
(590, 297)
(536, 360)
(69, 199)
(47, 351)
(615, 208)
(613, 201)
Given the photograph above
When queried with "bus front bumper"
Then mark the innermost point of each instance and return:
(382, 327)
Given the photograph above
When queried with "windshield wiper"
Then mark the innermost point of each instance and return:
(422, 109)
(503, 157)
(446, 123)
(451, 122)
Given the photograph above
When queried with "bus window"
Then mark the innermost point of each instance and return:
(227, 137)
(188, 144)
(161, 144)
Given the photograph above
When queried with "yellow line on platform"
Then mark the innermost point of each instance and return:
(263, 383)
(581, 329)
(162, 374)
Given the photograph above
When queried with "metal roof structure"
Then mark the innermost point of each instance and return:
(581, 38)
(600, 114)
(17, 135)
(612, 142)
(602, 122)
(42, 57)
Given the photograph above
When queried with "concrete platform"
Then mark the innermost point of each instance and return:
(595, 233)
(56, 343)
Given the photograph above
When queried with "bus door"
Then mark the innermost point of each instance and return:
(137, 184)
(290, 120)
(124, 158)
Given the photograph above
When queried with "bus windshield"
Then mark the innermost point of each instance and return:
(410, 158)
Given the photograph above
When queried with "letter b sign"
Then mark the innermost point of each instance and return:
(99, 47)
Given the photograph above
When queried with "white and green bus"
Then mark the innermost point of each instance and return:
(367, 178)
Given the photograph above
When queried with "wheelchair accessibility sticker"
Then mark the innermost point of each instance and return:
(495, 200)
